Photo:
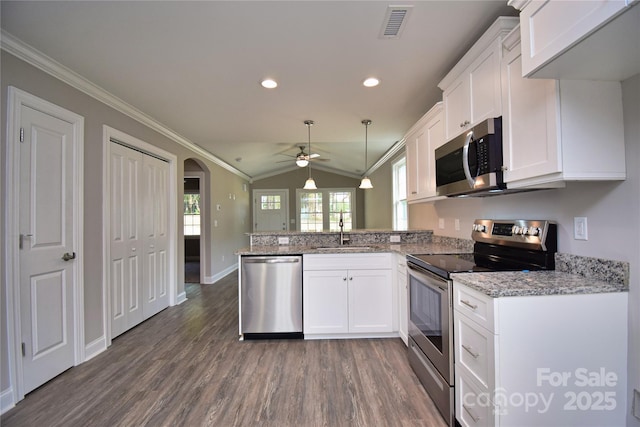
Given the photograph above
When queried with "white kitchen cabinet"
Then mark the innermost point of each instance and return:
(558, 130)
(540, 360)
(580, 39)
(421, 142)
(471, 90)
(325, 302)
(403, 297)
(348, 295)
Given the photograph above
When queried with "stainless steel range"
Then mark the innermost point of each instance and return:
(500, 245)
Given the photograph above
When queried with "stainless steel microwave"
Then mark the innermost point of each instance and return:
(471, 164)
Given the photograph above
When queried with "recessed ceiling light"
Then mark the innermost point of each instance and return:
(371, 82)
(269, 83)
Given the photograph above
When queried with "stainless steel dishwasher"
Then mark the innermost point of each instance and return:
(271, 297)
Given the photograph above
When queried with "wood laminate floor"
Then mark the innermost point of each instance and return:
(186, 367)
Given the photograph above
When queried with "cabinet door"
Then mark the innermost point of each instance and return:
(484, 86)
(370, 301)
(457, 114)
(529, 121)
(413, 165)
(324, 301)
(549, 28)
(417, 165)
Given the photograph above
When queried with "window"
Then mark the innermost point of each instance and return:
(271, 202)
(400, 217)
(320, 210)
(192, 214)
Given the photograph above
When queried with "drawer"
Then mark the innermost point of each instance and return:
(473, 406)
(474, 304)
(337, 261)
(474, 351)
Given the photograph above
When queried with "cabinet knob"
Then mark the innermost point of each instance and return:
(344, 279)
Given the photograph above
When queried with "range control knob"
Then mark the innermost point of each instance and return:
(479, 228)
(533, 231)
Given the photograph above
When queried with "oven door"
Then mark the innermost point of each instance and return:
(430, 318)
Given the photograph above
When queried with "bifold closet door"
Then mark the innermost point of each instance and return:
(138, 264)
(155, 239)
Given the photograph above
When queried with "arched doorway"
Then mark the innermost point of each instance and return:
(197, 259)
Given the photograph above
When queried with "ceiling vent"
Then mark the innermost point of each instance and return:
(394, 21)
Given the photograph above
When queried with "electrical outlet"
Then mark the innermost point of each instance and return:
(215, 222)
(457, 224)
(283, 240)
(636, 404)
(580, 230)
(441, 223)
(394, 238)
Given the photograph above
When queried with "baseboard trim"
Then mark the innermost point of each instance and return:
(224, 273)
(6, 400)
(94, 348)
(182, 297)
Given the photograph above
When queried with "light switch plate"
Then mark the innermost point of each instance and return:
(394, 238)
(457, 224)
(580, 230)
(441, 223)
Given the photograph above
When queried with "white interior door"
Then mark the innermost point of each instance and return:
(46, 223)
(139, 240)
(271, 210)
(156, 236)
(126, 241)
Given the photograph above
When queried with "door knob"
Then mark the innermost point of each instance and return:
(69, 256)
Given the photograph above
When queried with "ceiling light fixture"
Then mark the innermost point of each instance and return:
(301, 160)
(310, 184)
(269, 84)
(371, 82)
(366, 182)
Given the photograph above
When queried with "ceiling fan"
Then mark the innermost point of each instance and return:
(302, 158)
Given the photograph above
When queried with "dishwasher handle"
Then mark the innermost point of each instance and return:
(271, 260)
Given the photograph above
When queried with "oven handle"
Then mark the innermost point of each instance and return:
(465, 160)
(429, 275)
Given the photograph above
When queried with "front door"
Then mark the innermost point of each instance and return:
(270, 210)
(47, 256)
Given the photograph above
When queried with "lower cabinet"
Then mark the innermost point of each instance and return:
(348, 295)
(540, 360)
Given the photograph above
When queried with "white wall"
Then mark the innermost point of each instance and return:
(612, 210)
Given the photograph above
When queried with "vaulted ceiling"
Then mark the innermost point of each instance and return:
(196, 67)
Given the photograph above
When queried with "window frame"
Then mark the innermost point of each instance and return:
(325, 206)
(397, 200)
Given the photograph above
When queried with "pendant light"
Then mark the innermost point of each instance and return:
(366, 182)
(310, 184)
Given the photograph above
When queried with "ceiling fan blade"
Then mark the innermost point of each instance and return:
(314, 155)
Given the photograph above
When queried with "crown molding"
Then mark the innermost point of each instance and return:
(32, 56)
(390, 153)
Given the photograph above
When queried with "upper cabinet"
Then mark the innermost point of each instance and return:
(580, 39)
(472, 87)
(558, 130)
(421, 142)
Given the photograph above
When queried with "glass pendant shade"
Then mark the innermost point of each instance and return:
(310, 184)
(366, 183)
(302, 162)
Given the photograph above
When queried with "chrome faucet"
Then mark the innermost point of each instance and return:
(343, 239)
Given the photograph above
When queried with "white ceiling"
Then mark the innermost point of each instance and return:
(196, 68)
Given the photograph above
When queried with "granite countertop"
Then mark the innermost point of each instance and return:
(520, 283)
(402, 249)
